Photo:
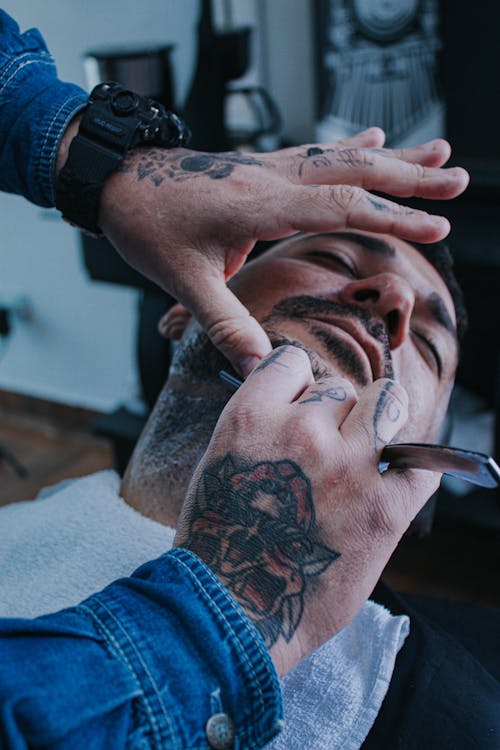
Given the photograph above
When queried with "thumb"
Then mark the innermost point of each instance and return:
(229, 325)
(378, 415)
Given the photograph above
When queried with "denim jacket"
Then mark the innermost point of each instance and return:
(163, 659)
(35, 109)
(150, 660)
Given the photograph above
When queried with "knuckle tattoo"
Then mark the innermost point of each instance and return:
(355, 157)
(320, 393)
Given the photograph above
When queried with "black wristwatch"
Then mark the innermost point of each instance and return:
(114, 121)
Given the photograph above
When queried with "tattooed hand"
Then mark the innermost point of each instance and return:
(188, 220)
(287, 506)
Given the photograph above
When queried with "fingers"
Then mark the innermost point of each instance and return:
(370, 138)
(226, 321)
(374, 421)
(332, 395)
(281, 377)
(324, 208)
(380, 413)
(373, 170)
(434, 153)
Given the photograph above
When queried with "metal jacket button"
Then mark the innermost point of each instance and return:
(220, 732)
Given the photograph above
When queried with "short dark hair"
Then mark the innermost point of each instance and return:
(438, 254)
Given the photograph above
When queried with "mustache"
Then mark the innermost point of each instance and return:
(306, 306)
(198, 360)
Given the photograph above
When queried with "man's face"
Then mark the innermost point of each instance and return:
(361, 305)
(365, 306)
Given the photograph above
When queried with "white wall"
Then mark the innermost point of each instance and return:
(80, 346)
(288, 63)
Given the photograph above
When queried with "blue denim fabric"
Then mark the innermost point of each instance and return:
(35, 109)
(142, 664)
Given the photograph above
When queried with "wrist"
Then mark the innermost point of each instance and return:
(95, 145)
(64, 144)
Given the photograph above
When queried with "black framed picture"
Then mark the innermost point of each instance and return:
(378, 64)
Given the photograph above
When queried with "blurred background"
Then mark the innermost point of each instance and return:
(80, 358)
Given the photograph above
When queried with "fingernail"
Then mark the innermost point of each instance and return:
(441, 222)
(247, 364)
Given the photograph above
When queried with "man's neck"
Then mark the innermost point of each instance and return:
(174, 440)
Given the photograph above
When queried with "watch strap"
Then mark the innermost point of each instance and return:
(81, 182)
(114, 121)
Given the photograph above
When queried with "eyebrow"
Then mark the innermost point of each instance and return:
(437, 309)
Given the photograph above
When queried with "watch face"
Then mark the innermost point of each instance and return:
(385, 20)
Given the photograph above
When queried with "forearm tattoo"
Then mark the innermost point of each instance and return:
(254, 525)
(156, 165)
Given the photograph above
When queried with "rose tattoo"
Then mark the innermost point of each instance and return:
(254, 526)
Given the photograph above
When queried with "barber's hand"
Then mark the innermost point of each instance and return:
(188, 220)
(287, 506)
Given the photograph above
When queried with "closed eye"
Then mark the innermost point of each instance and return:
(431, 347)
(328, 259)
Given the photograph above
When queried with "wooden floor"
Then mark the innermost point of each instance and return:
(49, 453)
(456, 561)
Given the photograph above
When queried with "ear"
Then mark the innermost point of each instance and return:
(174, 322)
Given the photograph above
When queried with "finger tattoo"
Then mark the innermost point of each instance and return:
(274, 357)
(352, 157)
(334, 394)
(379, 206)
(314, 150)
(388, 408)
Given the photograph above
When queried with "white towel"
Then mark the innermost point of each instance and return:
(71, 542)
(332, 698)
(79, 536)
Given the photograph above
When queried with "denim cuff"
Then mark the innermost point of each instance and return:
(252, 660)
(35, 110)
(197, 653)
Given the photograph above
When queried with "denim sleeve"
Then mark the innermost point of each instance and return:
(143, 664)
(35, 109)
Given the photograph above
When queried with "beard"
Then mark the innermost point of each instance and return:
(197, 360)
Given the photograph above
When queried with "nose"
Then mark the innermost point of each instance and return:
(387, 295)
